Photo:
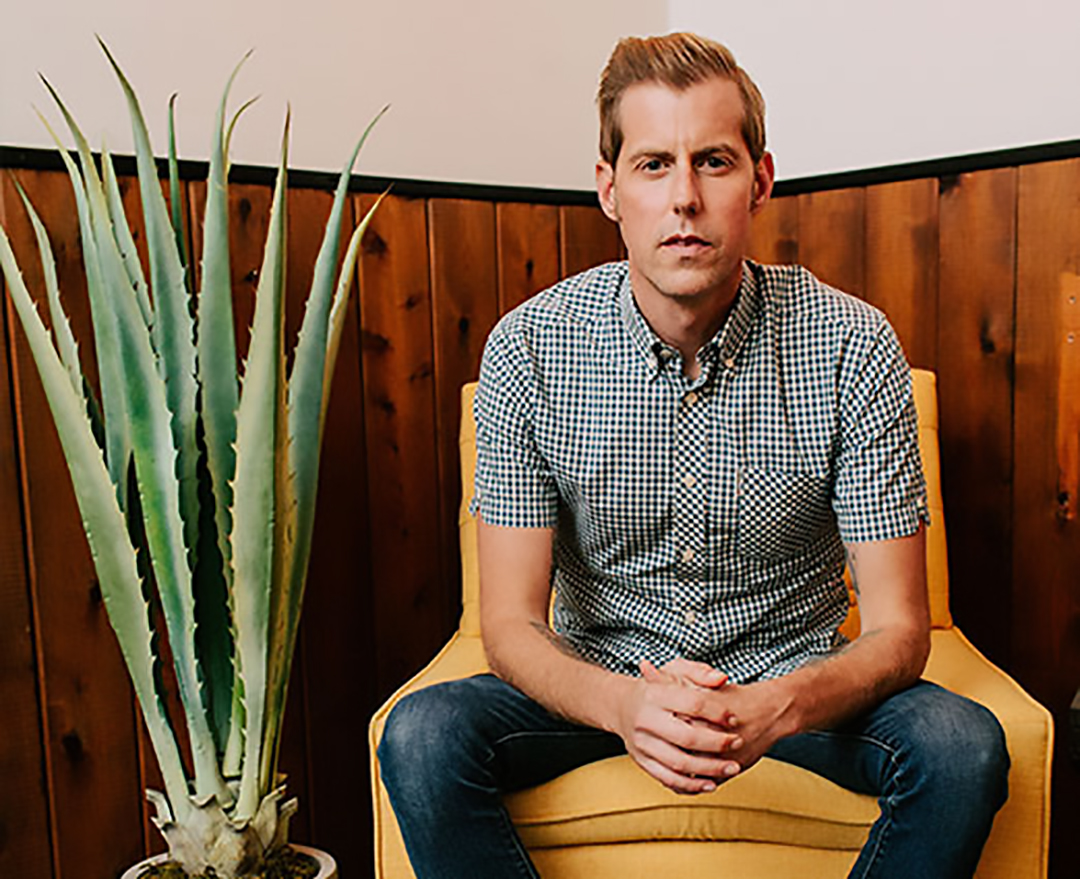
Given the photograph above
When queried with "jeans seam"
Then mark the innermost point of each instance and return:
(886, 812)
(524, 861)
(887, 802)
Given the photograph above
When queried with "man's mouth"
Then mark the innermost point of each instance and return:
(683, 242)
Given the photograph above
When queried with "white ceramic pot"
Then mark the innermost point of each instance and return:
(327, 865)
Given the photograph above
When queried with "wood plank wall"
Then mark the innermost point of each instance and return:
(979, 273)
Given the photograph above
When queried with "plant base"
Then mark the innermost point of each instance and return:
(327, 865)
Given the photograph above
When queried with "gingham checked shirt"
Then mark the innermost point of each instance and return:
(700, 519)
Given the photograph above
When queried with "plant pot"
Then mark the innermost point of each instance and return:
(327, 865)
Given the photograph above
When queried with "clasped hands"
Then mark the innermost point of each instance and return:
(691, 728)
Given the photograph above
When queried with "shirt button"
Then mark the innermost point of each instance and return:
(691, 398)
(689, 481)
(730, 363)
(688, 555)
(689, 617)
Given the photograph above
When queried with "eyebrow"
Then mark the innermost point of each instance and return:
(723, 149)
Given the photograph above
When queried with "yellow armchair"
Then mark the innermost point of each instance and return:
(610, 819)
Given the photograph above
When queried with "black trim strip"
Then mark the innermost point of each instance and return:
(946, 167)
(33, 158)
(36, 159)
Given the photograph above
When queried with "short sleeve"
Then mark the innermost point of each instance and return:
(514, 487)
(879, 491)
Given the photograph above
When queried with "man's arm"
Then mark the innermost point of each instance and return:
(889, 655)
(650, 716)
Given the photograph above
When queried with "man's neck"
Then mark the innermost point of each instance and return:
(687, 323)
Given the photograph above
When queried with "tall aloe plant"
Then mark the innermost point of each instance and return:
(210, 478)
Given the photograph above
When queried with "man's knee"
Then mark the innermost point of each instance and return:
(965, 750)
(985, 755)
(436, 735)
(417, 734)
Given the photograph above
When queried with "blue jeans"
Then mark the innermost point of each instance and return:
(936, 762)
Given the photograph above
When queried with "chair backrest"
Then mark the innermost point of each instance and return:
(937, 574)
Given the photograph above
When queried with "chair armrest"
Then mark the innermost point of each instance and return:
(1029, 732)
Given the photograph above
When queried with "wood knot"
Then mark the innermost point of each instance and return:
(424, 370)
(947, 183)
(986, 342)
(73, 746)
(373, 243)
(373, 342)
(1066, 512)
(244, 209)
(463, 326)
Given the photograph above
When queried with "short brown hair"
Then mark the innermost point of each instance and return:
(677, 60)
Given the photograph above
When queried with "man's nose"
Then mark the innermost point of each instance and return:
(686, 194)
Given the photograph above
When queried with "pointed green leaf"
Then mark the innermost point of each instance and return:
(125, 241)
(110, 373)
(106, 531)
(216, 341)
(173, 326)
(65, 339)
(219, 401)
(234, 120)
(176, 202)
(260, 490)
(338, 311)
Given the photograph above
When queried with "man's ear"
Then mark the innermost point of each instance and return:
(764, 175)
(605, 190)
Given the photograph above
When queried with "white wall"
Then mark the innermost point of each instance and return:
(501, 91)
(495, 91)
(862, 83)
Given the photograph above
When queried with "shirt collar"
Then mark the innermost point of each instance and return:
(726, 344)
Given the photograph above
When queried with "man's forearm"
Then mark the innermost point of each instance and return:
(836, 688)
(536, 660)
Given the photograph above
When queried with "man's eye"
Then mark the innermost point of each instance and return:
(652, 165)
(716, 162)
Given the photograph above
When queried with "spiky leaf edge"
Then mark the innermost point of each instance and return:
(106, 532)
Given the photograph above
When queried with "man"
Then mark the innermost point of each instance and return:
(689, 446)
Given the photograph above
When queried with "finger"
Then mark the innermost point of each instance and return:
(698, 673)
(683, 762)
(701, 736)
(652, 674)
(694, 702)
(680, 784)
(720, 740)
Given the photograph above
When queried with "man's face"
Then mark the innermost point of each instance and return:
(683, 190)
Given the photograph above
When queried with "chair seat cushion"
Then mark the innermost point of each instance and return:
(613, 801)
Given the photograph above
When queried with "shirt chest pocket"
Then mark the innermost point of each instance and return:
(780, 512)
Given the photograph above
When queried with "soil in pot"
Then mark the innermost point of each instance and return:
(285, 863)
